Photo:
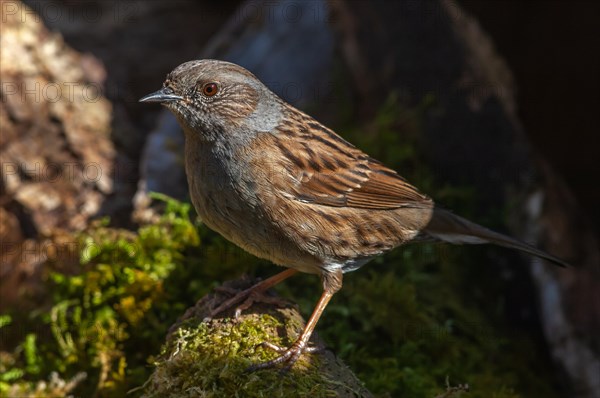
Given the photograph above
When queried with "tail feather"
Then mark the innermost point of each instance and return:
(451, 228)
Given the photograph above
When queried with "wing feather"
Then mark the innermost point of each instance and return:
(327, 170)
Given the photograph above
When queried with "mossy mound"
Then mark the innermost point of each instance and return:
(211, 358)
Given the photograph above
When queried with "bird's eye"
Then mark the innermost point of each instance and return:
(210, 89)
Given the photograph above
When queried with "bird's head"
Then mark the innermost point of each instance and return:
(213, 98)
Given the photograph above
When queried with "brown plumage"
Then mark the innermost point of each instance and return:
(286, 188)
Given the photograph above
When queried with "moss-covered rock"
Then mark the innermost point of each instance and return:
(211, 358)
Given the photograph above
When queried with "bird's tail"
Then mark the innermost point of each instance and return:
(449, 227)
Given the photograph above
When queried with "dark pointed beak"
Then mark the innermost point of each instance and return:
(165, 94)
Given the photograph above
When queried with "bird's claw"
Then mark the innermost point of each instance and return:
(257, 297)
(226, 290)
(288, 357)
(247, 298)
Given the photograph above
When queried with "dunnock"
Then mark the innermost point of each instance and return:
(282, 186)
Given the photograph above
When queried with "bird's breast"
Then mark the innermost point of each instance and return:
(224, 194)
(215, 189)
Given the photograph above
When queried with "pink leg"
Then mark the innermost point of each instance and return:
(250, 295)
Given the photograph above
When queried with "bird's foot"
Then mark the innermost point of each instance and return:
(288, 356)
(247, 297)
(258, 297)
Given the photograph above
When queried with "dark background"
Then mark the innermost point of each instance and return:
(552, 49)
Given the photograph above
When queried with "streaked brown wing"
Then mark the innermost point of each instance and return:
(327, 170)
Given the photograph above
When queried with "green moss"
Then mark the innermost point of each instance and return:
(110, 312)
(210, 359)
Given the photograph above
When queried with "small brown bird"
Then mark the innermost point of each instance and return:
(282, 186)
